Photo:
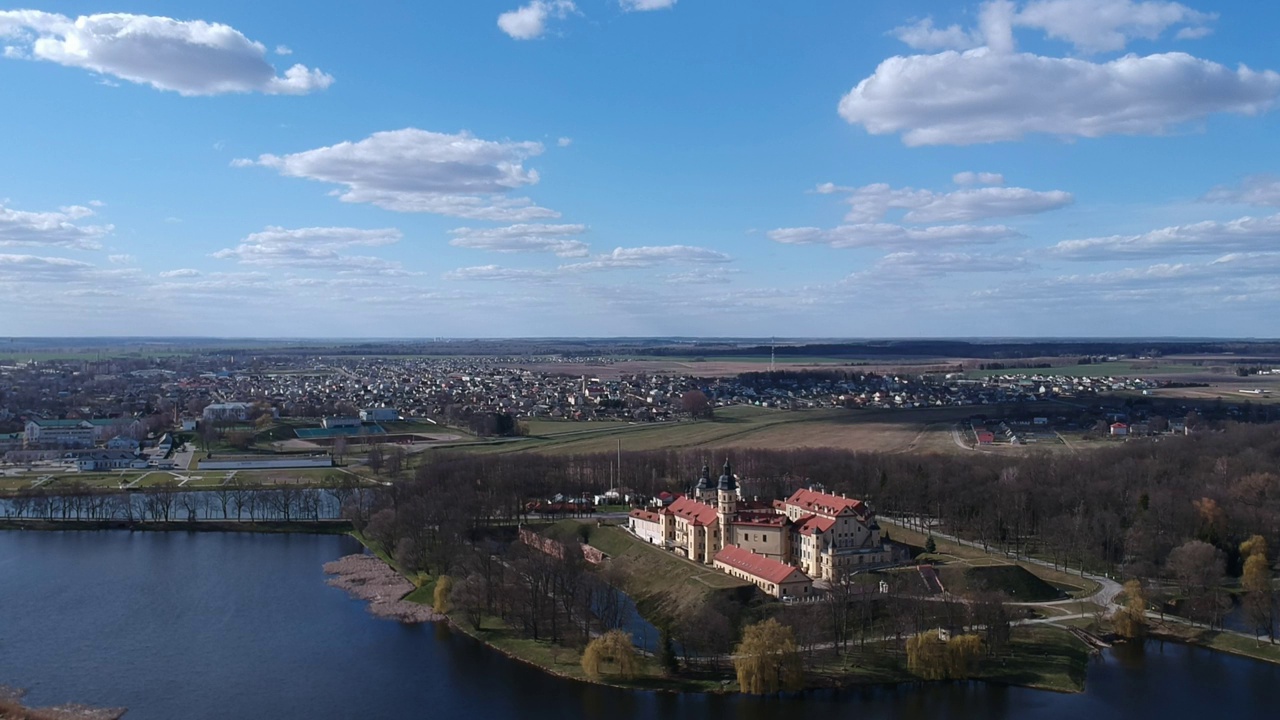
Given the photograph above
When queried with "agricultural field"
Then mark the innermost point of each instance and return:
(927, 430)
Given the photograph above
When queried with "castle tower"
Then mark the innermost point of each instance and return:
(727, 504)
(705, 490)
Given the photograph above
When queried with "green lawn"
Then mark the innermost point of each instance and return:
(1045, 658)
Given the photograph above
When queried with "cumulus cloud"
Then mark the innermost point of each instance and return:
(646, 5)
(1108, 25)
(870, 203)
(529, 21)
(58, 228)
(923, 35)
(981, 95)
(524, 238)
(180, 273)
(645, 257)
(890, 235)
(190, 57)
(1091, 26)
(317, 247)
(1242, 235)
(414, 170)
(1255, 190)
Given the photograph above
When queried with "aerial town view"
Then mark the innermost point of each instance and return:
(615, 359)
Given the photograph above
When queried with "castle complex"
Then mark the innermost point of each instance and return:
(781, 546)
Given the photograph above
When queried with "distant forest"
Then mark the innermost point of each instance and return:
(1000, 349)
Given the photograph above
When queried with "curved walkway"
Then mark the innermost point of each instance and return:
(1108, 589)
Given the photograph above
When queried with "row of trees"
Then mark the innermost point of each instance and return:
(169, 502)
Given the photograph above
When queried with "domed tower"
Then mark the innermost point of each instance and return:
(727, 504)
(705, 490)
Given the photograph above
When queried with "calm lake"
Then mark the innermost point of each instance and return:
(237, 626)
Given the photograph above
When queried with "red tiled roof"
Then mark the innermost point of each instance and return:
(766, 569)
(809, 524)
(646, 515)
(695, 512)
(825, 503)
(760, 519)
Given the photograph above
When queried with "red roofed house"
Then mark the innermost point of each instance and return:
(775, 578)
(1119, 429)
(646, 525)
(821, 534)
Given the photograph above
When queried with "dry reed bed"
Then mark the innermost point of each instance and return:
(367, 578)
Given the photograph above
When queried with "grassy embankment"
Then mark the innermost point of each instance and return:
(951, 555)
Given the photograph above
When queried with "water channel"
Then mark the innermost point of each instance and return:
(240, 626)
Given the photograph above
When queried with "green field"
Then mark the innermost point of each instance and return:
(922, 430)
(1119, 368)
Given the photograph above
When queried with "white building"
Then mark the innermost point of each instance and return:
(379, 415)
(330, 423)
(646, 525)
(235, 411)
(109, 460)
(60, 433)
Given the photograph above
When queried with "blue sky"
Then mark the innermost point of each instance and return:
(640, 167)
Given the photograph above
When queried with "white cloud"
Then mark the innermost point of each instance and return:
(890, 235)
(32, 268)
(180, 273)
(494, 273)
(121, 259)
(564, 142)
(191, 57)
(1255, 190)
(982, 178)
(995, 23)
(870, 203)
(1108, 25)
(913, 264)
(318, 247)
(645, 257)
(983, 96)
(530, 21)
(1193, 33)
(1091, 26)
(414, 170)
(1242, 235)
(645, 5)
(1231, 278)
(50, 229)
(524, 238)
(283, 50)
(923, 35)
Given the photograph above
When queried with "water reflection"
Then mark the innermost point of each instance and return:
(178, 625)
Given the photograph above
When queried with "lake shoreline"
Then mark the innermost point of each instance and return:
(12, 708)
